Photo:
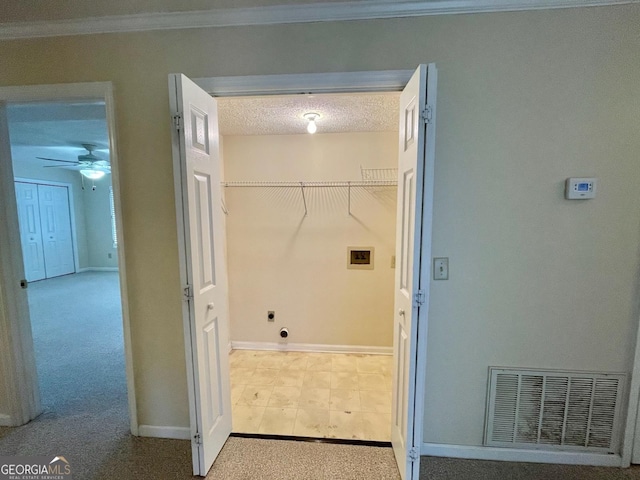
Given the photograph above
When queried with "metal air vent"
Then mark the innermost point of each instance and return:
(554, 410)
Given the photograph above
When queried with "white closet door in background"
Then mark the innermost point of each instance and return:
(30, 234)
(55, 222)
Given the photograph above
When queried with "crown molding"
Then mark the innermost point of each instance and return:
(280, 14)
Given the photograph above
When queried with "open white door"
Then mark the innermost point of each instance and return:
(413, 253)
(203, 267)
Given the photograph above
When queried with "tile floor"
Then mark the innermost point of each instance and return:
(323, 395)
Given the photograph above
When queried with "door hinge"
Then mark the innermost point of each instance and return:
(177, 122)
(427, 114)
(187, 293)
(414, 454)
(419, 298)
(197, 438)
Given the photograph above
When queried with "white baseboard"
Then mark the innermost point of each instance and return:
(97, 269)
(177, 433)
(312, 347)
(520, 455)
(5, 421)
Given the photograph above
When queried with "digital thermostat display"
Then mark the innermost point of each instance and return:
(580, 188)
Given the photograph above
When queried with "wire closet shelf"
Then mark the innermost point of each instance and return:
(371, 177)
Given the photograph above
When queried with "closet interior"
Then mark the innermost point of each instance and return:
(311, 227)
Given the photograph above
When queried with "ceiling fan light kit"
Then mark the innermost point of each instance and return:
(93, 174)
(89, 165)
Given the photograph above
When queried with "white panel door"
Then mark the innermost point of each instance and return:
(30, 234)
(201, 233)
(413, 253)
(55, 222)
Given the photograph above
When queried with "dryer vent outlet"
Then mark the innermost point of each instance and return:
(284, 332)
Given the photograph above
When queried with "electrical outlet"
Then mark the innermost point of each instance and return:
(271, 316)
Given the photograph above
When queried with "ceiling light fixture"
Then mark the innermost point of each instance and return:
(312, 117)
(92, 174)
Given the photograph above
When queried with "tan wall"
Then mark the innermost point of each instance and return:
(279, 259)
(525, 100)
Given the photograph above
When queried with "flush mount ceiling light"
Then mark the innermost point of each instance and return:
(312, 117)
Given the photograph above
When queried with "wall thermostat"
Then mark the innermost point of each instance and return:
(580, 188)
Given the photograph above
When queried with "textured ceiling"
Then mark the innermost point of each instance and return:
(284, 114)
(57, 130)
(58, 124)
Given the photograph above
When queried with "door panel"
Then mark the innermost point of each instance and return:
(55, 221)
(30, 235)
(203, 268)
(413, 251)
(204, 228)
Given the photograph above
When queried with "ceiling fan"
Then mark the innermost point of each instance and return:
(90, 165)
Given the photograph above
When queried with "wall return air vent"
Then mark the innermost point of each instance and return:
(554, 410)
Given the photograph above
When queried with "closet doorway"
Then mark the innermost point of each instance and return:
(311, 240)
(200, 204)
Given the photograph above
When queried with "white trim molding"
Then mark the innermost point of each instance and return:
(280, 14)
(154, 431)
(520, 455)
(312, 348)
(295, 83)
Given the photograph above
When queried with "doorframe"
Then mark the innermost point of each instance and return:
(72, 213)
(631, 435)
(24, 404)
(344, 82)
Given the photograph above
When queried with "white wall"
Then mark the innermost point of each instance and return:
(281, 260)
(525, 99)
(97, 213)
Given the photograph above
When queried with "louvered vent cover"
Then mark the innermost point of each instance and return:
(554, 410)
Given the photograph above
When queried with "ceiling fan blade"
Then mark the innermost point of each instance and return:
(58, 160)
(55, 166)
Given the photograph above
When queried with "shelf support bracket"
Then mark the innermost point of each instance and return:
(304, 200)
(349, 204)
